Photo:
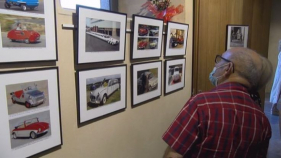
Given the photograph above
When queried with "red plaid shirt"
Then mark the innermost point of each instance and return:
(224, 122)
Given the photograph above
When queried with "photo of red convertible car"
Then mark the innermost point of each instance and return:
(26, 36)
(31, 128)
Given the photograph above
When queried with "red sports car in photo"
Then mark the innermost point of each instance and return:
(143, 31)
(31, 128)
(142, 44)
(27, 36)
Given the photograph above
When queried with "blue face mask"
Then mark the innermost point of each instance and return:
(212, 78)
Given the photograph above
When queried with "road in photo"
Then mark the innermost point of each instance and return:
(38, 10)
(17, 107)
(25, 130)
(103, 90)
(94, 44)
(22, 31)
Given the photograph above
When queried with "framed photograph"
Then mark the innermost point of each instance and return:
(237, 36)
(100, 92)
(30, 112)
(174, 75)
(101, 35)
(176, 41)
(146, 81)
(147, 37)
(28, 31)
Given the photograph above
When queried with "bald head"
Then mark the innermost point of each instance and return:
(250, 66)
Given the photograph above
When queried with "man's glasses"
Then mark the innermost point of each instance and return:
(219, 58)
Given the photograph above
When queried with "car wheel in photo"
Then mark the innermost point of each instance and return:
(33, 135)
(23, 7)
(26, 41)
(7, 6)
(103, 100)
(27, 105)
(14, 136)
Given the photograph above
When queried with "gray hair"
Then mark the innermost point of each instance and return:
(256, 73)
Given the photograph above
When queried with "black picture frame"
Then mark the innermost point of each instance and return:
(93, 57)
(54, 108)
(37, 57)
(92, 116)
(179, 85)
(241, 41)
(152, 94)
(171, 52)
(150, 53)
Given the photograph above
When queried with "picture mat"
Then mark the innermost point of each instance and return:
(170, 88)
(85, 114)
(171, 51)
(5, 135)
(88, 57)
(147, 52)
(149, 95)
(33, 54)
(245, 36)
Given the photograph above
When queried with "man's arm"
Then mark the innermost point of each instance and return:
(171, 153)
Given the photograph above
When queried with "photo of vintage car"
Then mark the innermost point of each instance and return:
(175, 74)
(30, 96)
(142, 44)
(153, 43)
(26, 36)
(143, 31)
(147, 81)
(176, 38)
(31, 128)
(101, 91)
(153, 32)
(23, 4)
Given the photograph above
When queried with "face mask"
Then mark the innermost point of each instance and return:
(212, 78)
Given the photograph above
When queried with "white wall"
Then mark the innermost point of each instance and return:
(274, 37)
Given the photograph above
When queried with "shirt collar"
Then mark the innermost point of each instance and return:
(230, 86)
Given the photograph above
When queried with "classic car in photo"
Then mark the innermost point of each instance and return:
(147, 82)
(153, 44)
(142, 44)
(23, 4)
(153, 32)
(26, 36)
(143, 31)
(174, 75)
(101, 92)
(30, 96)
(31, 128)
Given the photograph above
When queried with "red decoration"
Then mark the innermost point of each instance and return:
(162, 10)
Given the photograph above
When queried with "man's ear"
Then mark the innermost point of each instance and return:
(229, 68)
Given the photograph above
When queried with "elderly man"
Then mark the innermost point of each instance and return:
(226, 121)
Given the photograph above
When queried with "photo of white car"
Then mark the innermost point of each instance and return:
(175, 73)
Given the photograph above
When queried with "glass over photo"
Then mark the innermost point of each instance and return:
(103, 90)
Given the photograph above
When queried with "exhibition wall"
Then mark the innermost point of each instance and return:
(274, 38)
(133, 133)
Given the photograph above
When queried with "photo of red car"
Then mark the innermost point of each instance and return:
(143, 31)
(142, 44)
(31, 128)
(26, 36)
